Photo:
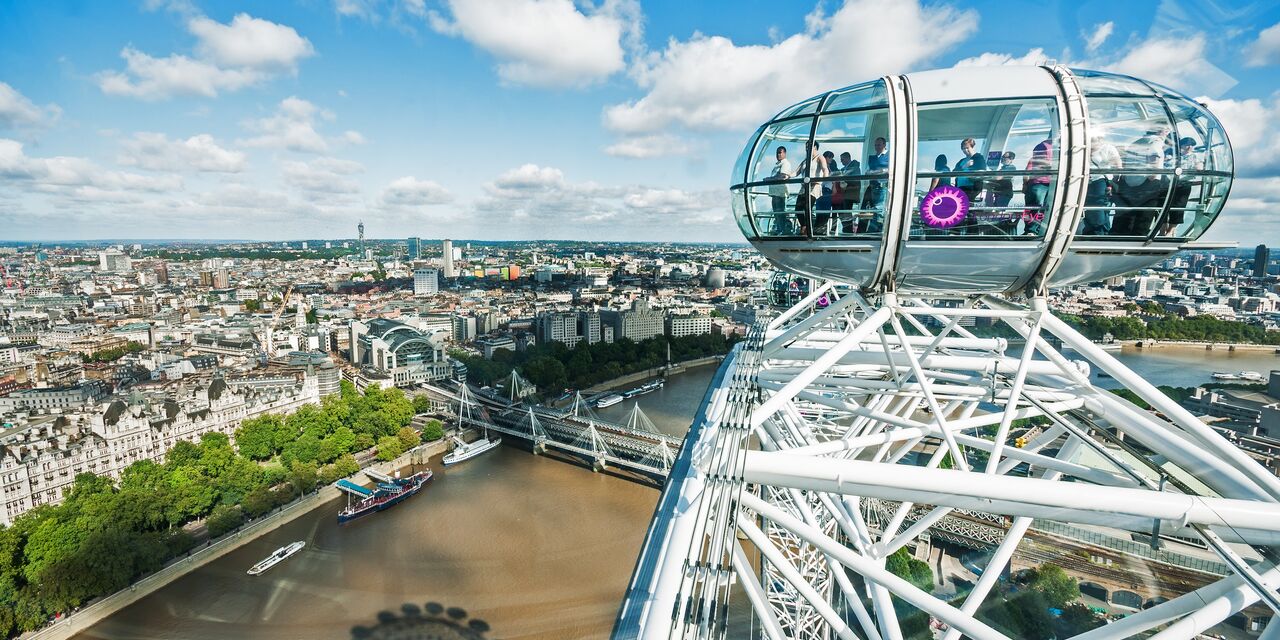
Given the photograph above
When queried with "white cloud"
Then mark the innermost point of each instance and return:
(230, 57)
(708, 82)
(17, 111)
(1250, 125)
(292, 127)
(66, 175)
(353, 137)
(1033, 57)
(322, 175)
(650, 146)
(199, 153)
(1099, 36)
(1266, 49)
(548, 43)
(532, 200)
(412, 192)
(250, 42)
(152, 78)
(1177, 62)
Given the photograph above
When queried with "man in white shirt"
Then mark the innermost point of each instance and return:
(781, 171)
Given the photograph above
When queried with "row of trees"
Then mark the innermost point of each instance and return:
(111, 355)
(1166, 326)
(554, 366)
(105, 534)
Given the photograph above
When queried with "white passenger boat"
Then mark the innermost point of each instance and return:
(608, 401)
(1247, 376)
(468, 450)
(276, 558)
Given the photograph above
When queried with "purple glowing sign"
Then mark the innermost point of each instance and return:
(823, 302)
(944, 207)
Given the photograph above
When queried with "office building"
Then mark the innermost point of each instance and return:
(398, 350)
(636, 324)
(425, 281)
(680, 326)
(558, 326)
(114, 261)
(464, 328)
(446, 259)
(1261, 256)
(415, 248)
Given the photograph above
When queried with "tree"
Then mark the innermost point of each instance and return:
(363, 441)
(303, 476)
(257, 502)
(433, 431)
(421, 403)
(389, 448)
(224, 518)
(256, 436)
(408, 438)
(1058, 588)
(901, 564)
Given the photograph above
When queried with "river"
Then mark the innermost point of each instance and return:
(523, 546)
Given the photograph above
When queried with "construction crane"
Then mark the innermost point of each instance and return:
(275, 317)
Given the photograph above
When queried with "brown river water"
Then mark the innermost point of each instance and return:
(507, 545)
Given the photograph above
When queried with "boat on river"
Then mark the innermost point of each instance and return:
(608, 401)
(1243, 376)
(276, 558)
(388, 492)
(463, 450)
(652, 385)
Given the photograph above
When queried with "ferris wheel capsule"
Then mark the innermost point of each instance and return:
(982, 179)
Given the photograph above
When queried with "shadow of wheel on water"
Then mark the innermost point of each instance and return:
(433, 621)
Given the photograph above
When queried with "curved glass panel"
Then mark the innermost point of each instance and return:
(1132, 161)
(871, 94)
(739, 174)
(740, 213)
(985, 169)
(804, 108)
(775, 176)
(1099, 83)
(849, 199)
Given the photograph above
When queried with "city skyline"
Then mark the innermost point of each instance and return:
(183, 121)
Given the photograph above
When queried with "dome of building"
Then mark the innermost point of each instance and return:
(982, 179)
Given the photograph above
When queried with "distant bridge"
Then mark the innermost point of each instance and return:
(636, 445)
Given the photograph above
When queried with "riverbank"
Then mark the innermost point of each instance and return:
(676, 367)
(1193, 344)
(104, 607)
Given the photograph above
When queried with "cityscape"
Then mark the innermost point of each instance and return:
(969, 345)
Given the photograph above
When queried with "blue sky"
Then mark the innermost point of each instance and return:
(515, 119)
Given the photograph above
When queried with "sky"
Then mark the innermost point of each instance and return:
(521, 119)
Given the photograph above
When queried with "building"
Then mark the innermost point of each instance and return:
(715, 278)
(415, 248)
(1144, 286)
(489, 344)
(398, 350)
(446, 259)
(691, 325)
(558, 326)
(114, 261)
(88, 392)
(221, 279)
(40, 458)
(425, 281)
(464, 328)
(1261, 257)
(636, 324)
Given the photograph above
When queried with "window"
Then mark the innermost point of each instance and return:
(985, 169)
(774, 177)
(852, 156)
(1132, 162)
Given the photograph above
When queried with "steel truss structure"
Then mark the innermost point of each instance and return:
(834, 437)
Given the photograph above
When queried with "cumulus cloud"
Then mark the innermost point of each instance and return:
(650, 146)
(1177, 62)
(413, 192)
(709, 82)
(529, 200)
(1266, 49)
(245, 52)
(322, 175)
(547, 43)
(1033, 57)
(249, 42)
(201, 152)
(291, 127)
(72, 176)
(17, 111)
(1250, 125)
(1099, 35)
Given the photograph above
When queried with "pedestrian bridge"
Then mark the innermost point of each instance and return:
(635, 445)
